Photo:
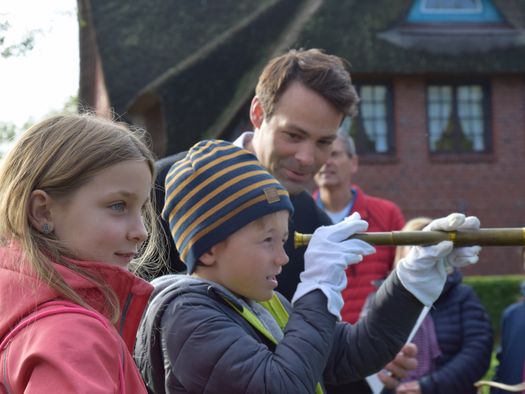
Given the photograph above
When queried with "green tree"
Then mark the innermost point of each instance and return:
(7, 131)
(70, 107)
(19, 48)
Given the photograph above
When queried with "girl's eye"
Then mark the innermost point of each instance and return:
(268, 239)
(118, 207)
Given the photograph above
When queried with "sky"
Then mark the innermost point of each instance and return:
(33, 85)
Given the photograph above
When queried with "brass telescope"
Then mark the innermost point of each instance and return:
(481, 237)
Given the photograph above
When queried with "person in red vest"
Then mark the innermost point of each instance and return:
(339, 198)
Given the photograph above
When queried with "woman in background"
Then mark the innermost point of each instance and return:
(455, 339)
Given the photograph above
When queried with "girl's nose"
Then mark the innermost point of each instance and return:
(138, 231)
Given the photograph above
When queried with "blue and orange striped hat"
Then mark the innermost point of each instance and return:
(214, 191)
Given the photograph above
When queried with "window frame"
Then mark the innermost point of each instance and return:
(389, 120)
(485, 117)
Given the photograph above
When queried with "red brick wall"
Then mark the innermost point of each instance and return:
(492, 188)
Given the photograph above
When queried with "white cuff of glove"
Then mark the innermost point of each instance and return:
(333, 296)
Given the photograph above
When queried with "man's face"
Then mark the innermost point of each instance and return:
(338, 169)
(296, 141)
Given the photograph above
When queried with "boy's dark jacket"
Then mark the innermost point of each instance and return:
(192, 340)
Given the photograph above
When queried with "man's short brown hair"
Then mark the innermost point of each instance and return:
(325, 74)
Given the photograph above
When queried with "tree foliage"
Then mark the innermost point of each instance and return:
(7, 131)
(18, 48)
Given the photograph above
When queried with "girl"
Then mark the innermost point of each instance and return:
(75, 211)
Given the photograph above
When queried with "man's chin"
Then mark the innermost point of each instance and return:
(293, 187)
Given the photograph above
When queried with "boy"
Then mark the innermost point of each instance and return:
(224, 329)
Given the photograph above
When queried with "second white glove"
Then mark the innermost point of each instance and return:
(423, 271)
(328, 254)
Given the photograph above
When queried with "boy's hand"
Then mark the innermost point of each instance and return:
(423, 272)
(328, 254)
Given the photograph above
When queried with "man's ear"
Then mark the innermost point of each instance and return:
(256, 113)
(39, 211)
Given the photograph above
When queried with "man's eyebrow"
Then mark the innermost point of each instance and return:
(297, 129)
(300, 130)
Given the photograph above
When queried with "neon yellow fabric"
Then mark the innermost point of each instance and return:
(276, 309)
(279, 313)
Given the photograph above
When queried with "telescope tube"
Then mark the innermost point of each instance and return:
(481, 237)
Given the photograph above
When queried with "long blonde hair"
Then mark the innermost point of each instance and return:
(58, 156)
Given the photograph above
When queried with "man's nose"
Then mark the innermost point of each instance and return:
(305, 154)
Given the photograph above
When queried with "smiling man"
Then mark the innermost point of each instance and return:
(300, 101)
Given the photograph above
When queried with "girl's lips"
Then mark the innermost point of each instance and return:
(126, 256)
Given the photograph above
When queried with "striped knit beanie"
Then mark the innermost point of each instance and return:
(214, 191)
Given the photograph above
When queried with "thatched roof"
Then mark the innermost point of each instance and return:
(141, 40)
(375, 38)
(201, 58)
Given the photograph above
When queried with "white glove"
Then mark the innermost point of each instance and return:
(423, 271)
(328, 254)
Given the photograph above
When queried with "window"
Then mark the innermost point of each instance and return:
(451, 6)
(457, 118)
(372, 128)
(454, 11)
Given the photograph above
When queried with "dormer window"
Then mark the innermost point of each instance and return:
(453, 27)
(453, 11)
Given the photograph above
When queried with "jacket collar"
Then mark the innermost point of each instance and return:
(29, 291)
(360, 204)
